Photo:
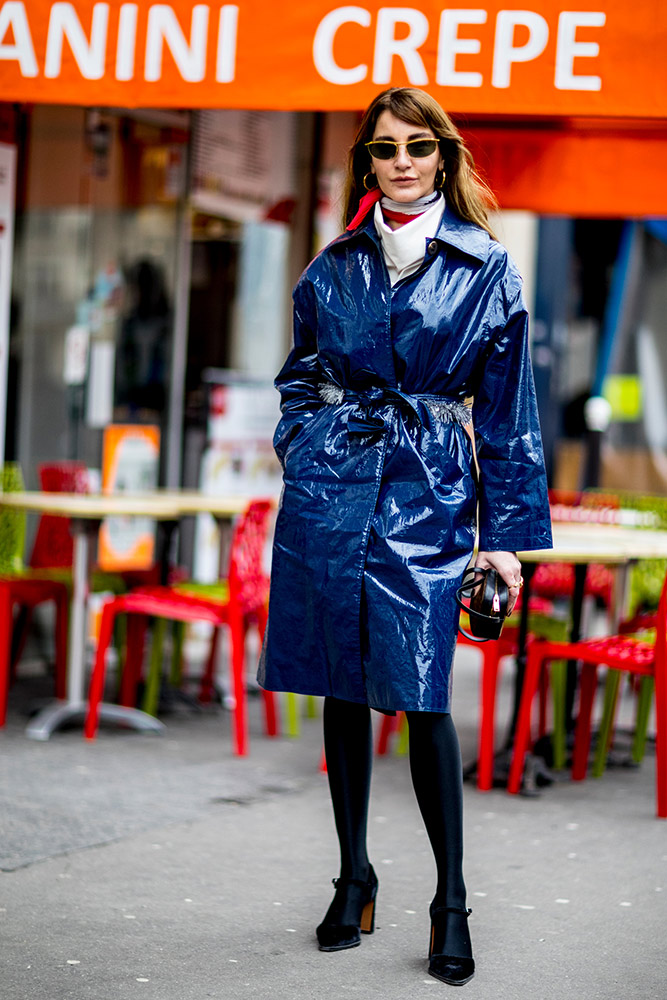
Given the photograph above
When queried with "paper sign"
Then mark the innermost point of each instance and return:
(130, 459)
(76, 355)
(99, 397)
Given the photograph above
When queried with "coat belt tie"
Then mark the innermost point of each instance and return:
(364, 419)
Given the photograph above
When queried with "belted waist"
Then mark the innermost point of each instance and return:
(365, 421)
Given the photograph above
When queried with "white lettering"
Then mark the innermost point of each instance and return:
(164, 28)
(12, 15)
(127, 41)
(323, 43)
(89, 55)
(227, 32)
(505, 52)
(450, 45)
(387, 45)
(400, 33)
(568, 49)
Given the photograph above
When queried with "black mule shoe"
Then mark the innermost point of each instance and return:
(351, 913)
(455, 970)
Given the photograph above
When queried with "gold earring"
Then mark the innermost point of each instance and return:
(440, 183)
(370, 187)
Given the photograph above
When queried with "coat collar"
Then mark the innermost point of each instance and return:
(453, 231)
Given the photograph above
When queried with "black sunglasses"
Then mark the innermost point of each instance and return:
(384, 149)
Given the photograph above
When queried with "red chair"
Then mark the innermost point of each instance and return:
(246, 603)
(390, 724)
(28, 594)
(643, 689)
(492, 653)
(617, 652)
(24, 592)
(554, 580)
(53, 547)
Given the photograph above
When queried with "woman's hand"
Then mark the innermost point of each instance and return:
(508, 566)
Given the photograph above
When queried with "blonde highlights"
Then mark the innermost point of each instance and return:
(465, 191)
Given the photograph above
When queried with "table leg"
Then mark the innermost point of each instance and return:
(527, 570)
(80, 590)
(580, 571)
(58, 713)
(613, 683)
(620, 607)
(165, 539)
(225, 531)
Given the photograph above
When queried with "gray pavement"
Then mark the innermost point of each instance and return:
(166, 868)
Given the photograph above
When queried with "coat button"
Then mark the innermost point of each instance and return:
(432, 247)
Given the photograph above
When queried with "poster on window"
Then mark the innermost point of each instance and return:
(130, 459)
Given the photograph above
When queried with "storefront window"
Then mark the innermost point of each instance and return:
(93, 279)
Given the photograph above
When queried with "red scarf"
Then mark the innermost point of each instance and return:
(401, 215)
(365, 205)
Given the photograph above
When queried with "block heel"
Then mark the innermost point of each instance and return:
(351, 914)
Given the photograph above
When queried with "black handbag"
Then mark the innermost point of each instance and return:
(484, 595)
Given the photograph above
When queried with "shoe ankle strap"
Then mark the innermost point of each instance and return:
(362, 883)
(464, 911)
(343, 880)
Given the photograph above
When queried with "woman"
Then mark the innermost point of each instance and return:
(397, 324)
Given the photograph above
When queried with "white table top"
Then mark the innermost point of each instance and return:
(605, 543)
(160, 504)
(573, 541)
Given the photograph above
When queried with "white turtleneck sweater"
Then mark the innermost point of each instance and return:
(404, 248)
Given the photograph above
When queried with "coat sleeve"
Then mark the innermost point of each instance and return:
(513, 498)
(299, 378)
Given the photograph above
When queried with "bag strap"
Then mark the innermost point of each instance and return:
(473, 578)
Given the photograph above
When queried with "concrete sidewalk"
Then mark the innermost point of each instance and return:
(140, 867)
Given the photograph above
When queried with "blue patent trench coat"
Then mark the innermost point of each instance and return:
(378, 514)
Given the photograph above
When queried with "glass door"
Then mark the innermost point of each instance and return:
(94, 279)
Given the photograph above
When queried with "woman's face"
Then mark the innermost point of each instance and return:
(405, 178)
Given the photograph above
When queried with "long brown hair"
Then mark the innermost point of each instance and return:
(463, 188)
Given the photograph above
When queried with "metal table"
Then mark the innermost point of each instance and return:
(87, 511)
(581, 544)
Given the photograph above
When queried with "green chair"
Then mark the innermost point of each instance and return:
(25, 592)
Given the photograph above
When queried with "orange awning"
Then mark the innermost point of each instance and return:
(591, 169)
(545, 58)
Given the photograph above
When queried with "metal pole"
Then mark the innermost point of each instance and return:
(174, 447)
(7, 194)
(309, 135)
(598, 410)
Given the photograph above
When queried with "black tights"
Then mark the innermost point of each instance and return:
(348, 746)
(435, 766)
